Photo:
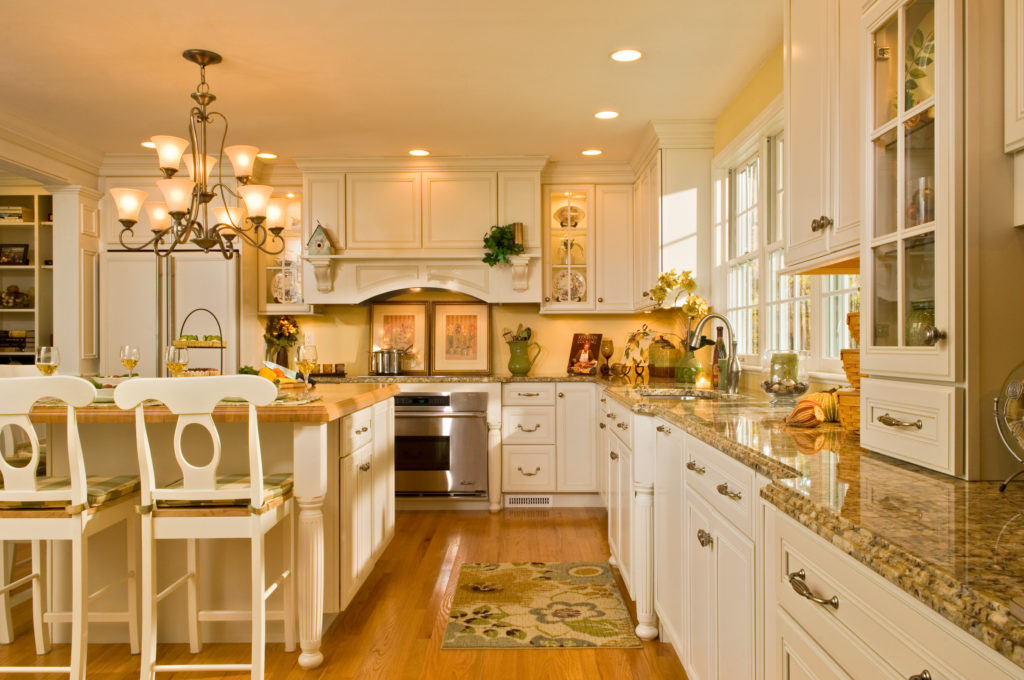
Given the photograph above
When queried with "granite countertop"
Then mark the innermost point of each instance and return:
(956, 546)
(386, 379)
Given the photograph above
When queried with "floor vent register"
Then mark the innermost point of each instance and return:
(528, 501)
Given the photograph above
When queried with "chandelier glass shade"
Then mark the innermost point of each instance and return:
(183, 217)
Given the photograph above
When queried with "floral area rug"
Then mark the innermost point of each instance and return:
(536, 605)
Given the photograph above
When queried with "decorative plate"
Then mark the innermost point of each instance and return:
(569, 216)
(570, 286)
(1009, 412)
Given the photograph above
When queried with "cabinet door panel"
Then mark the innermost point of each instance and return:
(129, 308)
(458, 207)
(625, 514)
(806, 149)
(382, 210)
(575, 410)
(848, 135)
(364, 510)
(700, 593)
(734, 591)
(612, 465)
(800, 657)
(519, 201)
(668, 549)
(615, 248)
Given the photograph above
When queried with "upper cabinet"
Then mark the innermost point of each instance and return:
(823, 132)
(458, 207)
(382, 210)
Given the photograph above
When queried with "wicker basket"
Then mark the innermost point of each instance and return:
(199, 344)
(849, 410)
(851, 365)
(853, 323)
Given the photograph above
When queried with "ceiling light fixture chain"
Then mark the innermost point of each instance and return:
(184, 216)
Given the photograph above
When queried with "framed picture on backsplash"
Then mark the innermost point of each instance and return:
(402, 326)
(462, 338)
(584, 353)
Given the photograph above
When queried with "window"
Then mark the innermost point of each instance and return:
(769, 309)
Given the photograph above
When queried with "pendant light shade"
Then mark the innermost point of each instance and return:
(256, 197)
(276, 209)
(243, 157)
(177, 193)
(128, 202)
(169, 149)
(231, 215)
(159, 218)
(207, 167)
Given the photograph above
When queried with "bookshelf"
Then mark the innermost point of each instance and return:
(26, 219)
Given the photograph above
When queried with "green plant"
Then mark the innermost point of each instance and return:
(282, 331)
(499, 243)
(920, 57)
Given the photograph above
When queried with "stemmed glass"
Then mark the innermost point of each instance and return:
(306, 361)
(607, 349)
(47, 360)
(130, 358)
(176, 359)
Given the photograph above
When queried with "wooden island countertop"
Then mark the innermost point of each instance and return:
(335, 402)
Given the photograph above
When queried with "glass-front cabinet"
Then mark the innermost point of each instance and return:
(908, 262)
(280, 276)
(569, 247)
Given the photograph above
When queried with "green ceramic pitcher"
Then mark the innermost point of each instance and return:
(520, 362)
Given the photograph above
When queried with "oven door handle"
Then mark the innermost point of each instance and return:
(440, 414)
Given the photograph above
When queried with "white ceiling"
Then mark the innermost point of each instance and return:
(378, 77)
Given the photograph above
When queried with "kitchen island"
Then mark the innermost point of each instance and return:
(299, 435)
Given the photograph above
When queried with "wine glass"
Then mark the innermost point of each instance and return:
(607, 349)
(130, 358)
(47, 360)
(176, 359)
(306, 361)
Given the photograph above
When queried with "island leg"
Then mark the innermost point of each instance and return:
(310, 454)
(494, 466)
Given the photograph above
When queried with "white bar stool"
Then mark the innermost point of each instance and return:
(72, 508)
(203, 505)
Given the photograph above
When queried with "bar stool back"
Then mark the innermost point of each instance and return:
(205, 505)
(73, 508)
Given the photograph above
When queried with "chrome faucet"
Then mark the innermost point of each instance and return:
(732, 378)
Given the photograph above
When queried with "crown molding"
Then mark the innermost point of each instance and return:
(26, 149)
(311, 164)
(130, 165)
(279, 174)
(587, 173)
(673, 134)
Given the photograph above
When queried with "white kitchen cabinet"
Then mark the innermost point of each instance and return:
(575, 410)
(130, 310)
(612, 463)
(646, 230)
(800, 657)
(699, 656)
(519, 201)
(382, 210)
(458, 208)
(383, 477)
(615, 242)
(569, 248)
(669, 511)
(822, 156)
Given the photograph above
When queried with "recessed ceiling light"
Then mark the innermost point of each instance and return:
(591, 152)
(290, 195)
(627, 55)
(606, 115)
(419, 152)
(266, 154)
(148, 144)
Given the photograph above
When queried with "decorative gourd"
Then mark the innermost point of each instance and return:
(808, 413)
(829, 402)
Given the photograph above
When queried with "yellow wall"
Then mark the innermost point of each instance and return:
(755, 96)
(342, 332)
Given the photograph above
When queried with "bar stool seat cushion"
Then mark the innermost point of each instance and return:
(275, 487)
(101, 490)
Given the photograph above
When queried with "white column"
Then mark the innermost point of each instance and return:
(494, 465)
(642, 573)
(311, 454)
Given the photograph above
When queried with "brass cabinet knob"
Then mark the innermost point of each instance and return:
(600, 299)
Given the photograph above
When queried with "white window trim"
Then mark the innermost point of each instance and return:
(752, 140)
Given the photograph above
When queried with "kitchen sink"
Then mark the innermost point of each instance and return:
(686, 394)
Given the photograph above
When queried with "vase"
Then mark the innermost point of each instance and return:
(520, 362)
(278, 355)
(688, 369)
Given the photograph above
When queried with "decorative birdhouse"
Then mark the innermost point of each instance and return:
(319, 243)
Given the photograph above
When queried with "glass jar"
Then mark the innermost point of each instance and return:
(688, 369)
(920, 318)
(785, 378)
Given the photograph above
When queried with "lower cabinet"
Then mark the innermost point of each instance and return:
(800, 657)
(620, 505)
(367, 498)
(668, 553)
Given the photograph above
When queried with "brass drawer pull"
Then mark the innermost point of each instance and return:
(890, 421)
(613, 455)
(798, 579)
(699, 469)
(365, 467)
(610, 415)
(622, 426)
(602, 425)
(662, 428)
(705, 539)
(923, 675)
(528, 394)
(535, 428)
(723, 489)
(528, 474)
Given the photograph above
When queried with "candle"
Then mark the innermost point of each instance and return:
(517, 232)
(703, 383)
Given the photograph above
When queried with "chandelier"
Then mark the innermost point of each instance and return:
(184, 214)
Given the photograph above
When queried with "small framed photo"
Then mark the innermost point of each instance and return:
(13, 253)
(401, 325)
(462, 338)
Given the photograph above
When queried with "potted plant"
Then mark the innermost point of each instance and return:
(281, 333)
(500, 243)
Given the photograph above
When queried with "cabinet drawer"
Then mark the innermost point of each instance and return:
(528, 394)
(922, 422)
(528, 468)
(619, 420)
(356, 430)
(728, 485)
(528, 425)
(897, 632)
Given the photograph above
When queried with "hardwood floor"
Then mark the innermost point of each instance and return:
(394, 626)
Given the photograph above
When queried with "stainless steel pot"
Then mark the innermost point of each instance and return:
(386, 361)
